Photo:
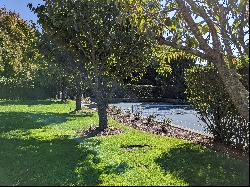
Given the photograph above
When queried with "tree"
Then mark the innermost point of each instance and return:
(18, 54)
(107, 50)
(60, 67)
(171, 85)
(215, 31)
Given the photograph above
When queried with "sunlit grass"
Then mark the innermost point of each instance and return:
(39, 145)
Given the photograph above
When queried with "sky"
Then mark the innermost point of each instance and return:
(20, 6)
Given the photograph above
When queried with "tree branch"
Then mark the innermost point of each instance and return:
(203, 14)
(194, 29)
(197, 53)
(223, 20)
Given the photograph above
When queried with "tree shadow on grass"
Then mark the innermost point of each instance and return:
(30, 102)
(116, 169)
(88, 170)
(198, 166)
(26, 120)
(34, 162)
(58, 162)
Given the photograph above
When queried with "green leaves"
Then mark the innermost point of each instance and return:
(206, 92)
(18, 52)
(104, 42)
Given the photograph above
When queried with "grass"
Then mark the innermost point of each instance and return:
(39, 146)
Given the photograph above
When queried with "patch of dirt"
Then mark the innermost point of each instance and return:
(81, 113)
(91, 132)
(128, 147)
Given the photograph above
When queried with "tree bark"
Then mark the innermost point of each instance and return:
(102, 113)
(236, 90)
(78, 95)
(102, 103)
(64, 95)
(78, 102)
(64, 92)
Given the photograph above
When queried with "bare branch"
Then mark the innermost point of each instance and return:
(223, 20)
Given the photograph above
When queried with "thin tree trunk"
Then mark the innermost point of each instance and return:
(102, 104)
(78, 95)
(236, 90)
(78, 102)
(64, 95)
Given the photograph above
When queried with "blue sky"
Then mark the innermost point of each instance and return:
(20, 6)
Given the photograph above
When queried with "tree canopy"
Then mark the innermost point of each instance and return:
(18, 53)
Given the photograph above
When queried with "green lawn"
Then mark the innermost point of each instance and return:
(39, 146)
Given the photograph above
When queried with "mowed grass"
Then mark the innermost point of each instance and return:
(39, 145)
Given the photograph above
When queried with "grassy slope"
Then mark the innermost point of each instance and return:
(39, 146)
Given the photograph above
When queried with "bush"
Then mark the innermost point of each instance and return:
(207, 94)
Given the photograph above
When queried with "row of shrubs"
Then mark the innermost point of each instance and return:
(14, 93)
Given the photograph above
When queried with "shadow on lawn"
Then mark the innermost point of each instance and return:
(203, 167)
(34, 162)
(88, 170)
(26, 120)
(57, 162)
(30, 102)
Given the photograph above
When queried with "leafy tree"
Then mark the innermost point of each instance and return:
(171, 85)
(60, 67)
(18, 54)
(215, 31)
(107, 50)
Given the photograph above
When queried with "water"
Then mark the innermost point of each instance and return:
(181, 115)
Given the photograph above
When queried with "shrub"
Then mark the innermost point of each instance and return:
(207, 94)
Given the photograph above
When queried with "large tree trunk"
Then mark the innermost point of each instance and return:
(102, 113)
(236, 90)
(102, 103)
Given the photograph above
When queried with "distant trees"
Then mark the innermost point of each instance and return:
(18, 52)
(29, 65)
(171, 85)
